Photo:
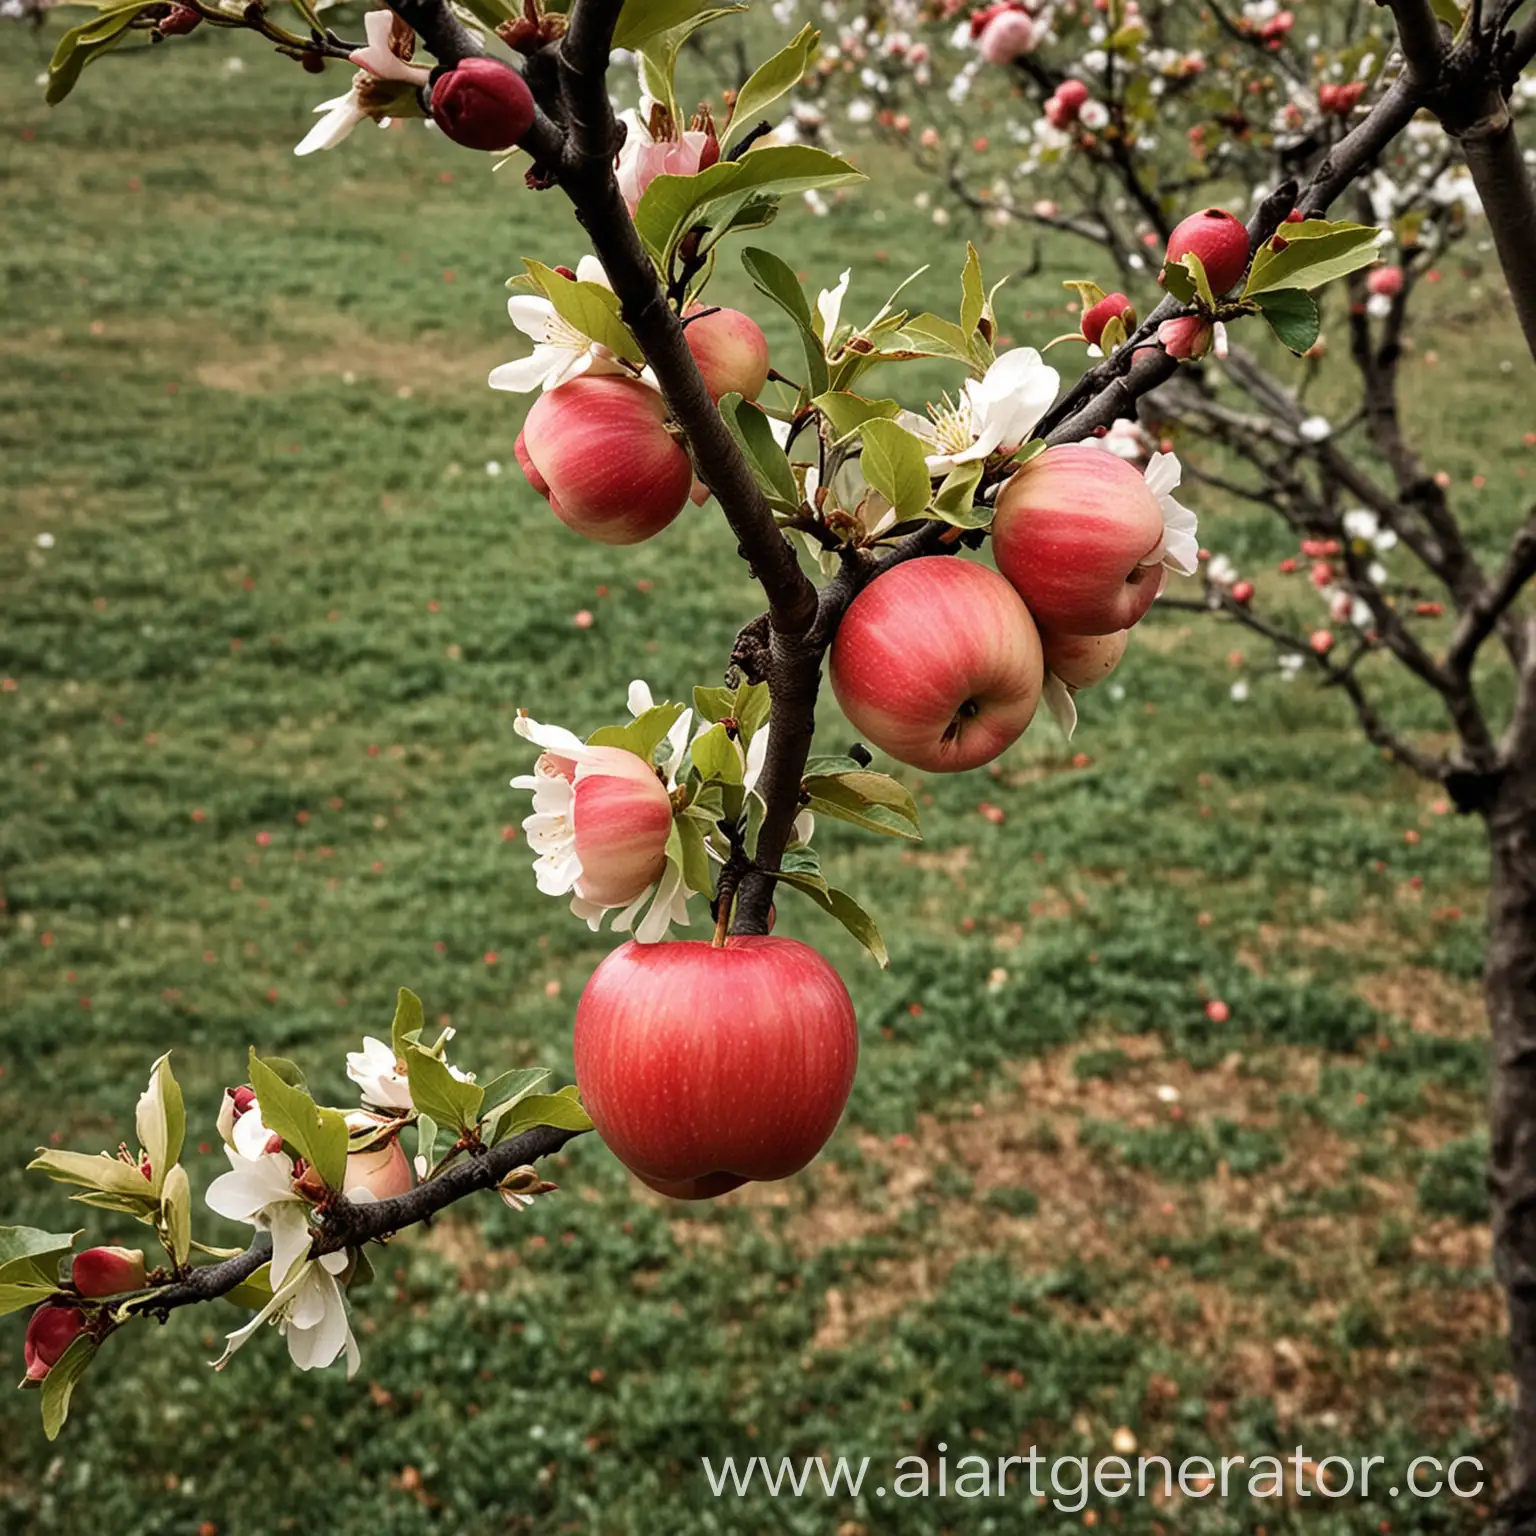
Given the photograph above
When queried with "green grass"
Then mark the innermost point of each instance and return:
(256, 759)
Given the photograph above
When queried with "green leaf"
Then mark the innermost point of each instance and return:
(290, 1071)
(686, 848)
(562, 1110)
(176, 1212)
(750, 426)
(714, 704)
(17, 1294)
(658, 56)
(853, 917)
(1293, 317)
(82, 44)
(955, 502)
(674, 204)
(753, 705)
(591, 308)
(778, 76)
(848, 412)
(801, 868)
(426, 1139)
(1311, 254)
(437, 1092)
(59, 1384)
(775, 280)
(938, 337)
(1448, 12)
(409, 1022)
(973, 295)
(716, 757)
(318, 1135)
(98, 1172)
(26, 1252)
(894, 463)
(1088, 294)
(874, 801)
(161, 1122)
(503, 1092)
(255, 1291)
(640, 20)
(643, 735)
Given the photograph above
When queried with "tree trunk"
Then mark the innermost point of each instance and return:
(1510, 982)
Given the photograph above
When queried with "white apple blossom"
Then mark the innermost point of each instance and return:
(994, 414)
(560, 352)
(378, 62)
(1180, 549)
(1094, 116)
(380, 1075)
(1365, 529)
(829, 306)
(260, 1190)
(311, 1314)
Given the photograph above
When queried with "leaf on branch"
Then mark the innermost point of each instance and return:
(973, 294)
(161, 1122)
(176, 1213)
(934, 336)
(775, 280)
(874, 801)
(1293, 317)
(1310, 254)
(658, 55)
(955, 502)
(589, 307)
(749, 425)
(771, 80)
(848, 412)
(110, 1183)
(83, 44)
(408, 1025)
(435, 1091)
(29, 1265)
(641, 20)
(672, 205)
(894, 462)
(686, 849)
(643, 735)
(717, 759)
(561, 1110)
(504, 1092)
(1185, 279)
(802, 870)
(318, 1135)
(254, 1292)
(59, 1384)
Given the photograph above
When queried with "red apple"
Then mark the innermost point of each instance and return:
(1219, 239)
(1071, 530)
(597, 449)
(1386, 281)
(730, 349)
(703, 1068)
(1008, 36)
(382, 1169)
(938, 663)
(1080, 661)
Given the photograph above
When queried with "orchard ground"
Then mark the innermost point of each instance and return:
(268, 612)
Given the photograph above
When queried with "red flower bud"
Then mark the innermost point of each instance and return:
(1242, 593)
(102, 1272)
(482, 104)
(182, 19)
(51, 1330)
(1100, 314)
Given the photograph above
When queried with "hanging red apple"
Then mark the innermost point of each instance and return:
(597, 449)
(1072, 529)
(1219, 239)
(705, 1067)
(937, 662)
(730, 349)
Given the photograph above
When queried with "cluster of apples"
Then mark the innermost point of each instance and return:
(600, 450)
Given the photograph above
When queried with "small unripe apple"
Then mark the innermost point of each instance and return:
(1099, 315)
(1073, 95)
(705, 1067)
(51, 1329)
(597, 449)
(730, 349)
(1080, 661)
(1072, 528)
(102, 1272)
(1385, 281)
(938, 663)
(1008, 36)
(482, 103)
(382, 1169)
(1242, 593)
(179, 21)
(1219, 239)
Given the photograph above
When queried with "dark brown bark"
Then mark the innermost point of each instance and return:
(1510, 984)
